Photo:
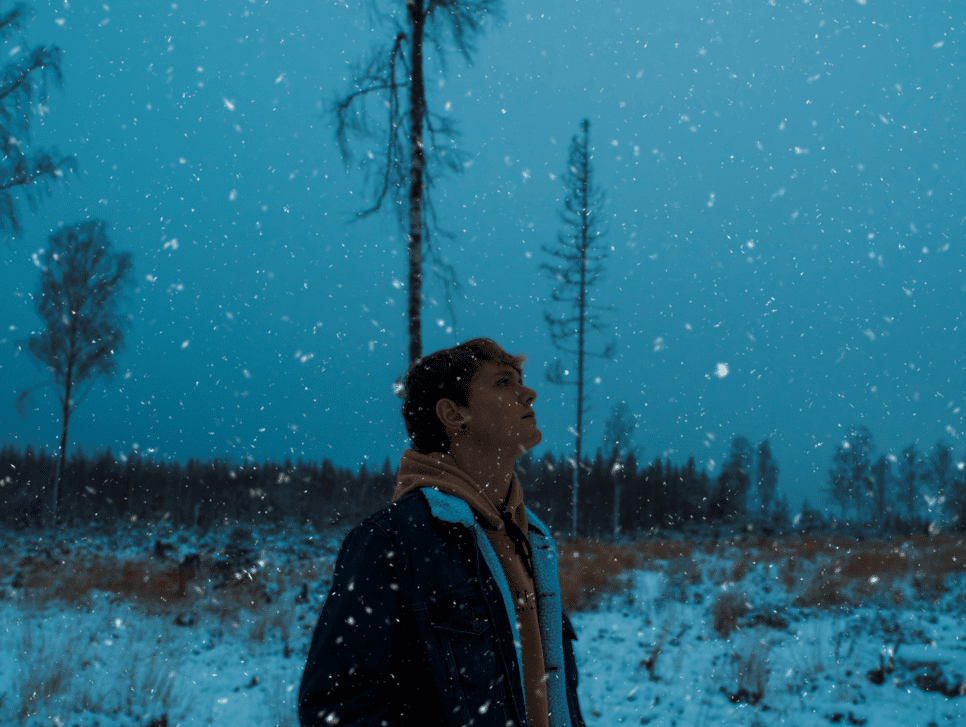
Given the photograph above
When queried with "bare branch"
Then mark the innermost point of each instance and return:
(23, 87)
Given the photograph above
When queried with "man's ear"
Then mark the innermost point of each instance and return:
(452, 415)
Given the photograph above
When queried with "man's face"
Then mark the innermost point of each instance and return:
(500, 414)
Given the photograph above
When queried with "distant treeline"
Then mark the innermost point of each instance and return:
(618, 496)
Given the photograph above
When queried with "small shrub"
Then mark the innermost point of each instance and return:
(930, 586)
(789, 573)
(741, 566)
(750, 673)
(824, 590)
(650, 663)
(726, 610)
(681, 574)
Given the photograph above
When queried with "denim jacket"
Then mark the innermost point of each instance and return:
(419, 626)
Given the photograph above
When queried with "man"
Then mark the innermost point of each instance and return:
(445, 606)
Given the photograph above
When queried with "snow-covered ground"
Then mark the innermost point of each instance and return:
(101, 654)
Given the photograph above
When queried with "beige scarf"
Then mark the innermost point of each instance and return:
(439, 471)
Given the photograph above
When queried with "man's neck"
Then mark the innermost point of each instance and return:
(491, 471)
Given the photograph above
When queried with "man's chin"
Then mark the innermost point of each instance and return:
(532, 441)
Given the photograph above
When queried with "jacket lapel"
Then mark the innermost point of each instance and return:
(549, 610)
(452, 509)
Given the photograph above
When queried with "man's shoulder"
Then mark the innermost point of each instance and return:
(409, 508)
(417, 515)
(393, 528)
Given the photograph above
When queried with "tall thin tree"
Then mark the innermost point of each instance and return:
(24, 80)
(80, 286)
(909, 477)
(940, 477)
(731, 496)
(766, 481)
(575, 270)
(881, 477)
(850, 479)
(404, 172)
(618, 430)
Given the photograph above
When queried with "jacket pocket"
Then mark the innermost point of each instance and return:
(459, 617)
(467, 646)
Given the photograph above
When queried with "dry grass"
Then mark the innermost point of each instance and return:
(877, 570)
(651, 550)
(282, 699)
(750, 670)
(818, 571)
(590, 571)
(161, 587)
(58, 672)
(105, 666)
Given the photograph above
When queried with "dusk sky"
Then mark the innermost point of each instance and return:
(784, 184)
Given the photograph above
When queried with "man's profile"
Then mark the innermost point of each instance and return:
(445, 606)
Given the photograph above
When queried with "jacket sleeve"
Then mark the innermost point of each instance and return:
(347, 678)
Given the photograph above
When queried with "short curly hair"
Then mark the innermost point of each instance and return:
(445, 374)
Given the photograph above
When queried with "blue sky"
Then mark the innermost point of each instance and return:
(785, 212)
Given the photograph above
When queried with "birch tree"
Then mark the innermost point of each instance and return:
(80, 286)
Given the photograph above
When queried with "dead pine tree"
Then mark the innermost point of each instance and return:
(81, 283)
(387, 103)
(575, 269)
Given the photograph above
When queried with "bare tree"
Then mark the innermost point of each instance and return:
(576, 269)
(80, 286)
(23, 96)
(766, 481)
(881, 476)
(731, 495)
(618, 430)
(940, 477)
(909, 477)
(404, 171)
(850, 479)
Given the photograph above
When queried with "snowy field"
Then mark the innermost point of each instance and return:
(128, 629)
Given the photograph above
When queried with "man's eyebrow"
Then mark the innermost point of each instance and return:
(505, 372)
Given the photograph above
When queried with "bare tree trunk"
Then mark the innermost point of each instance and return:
(617, 503)
(63, 447)
(581, 306)
(417, 99)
